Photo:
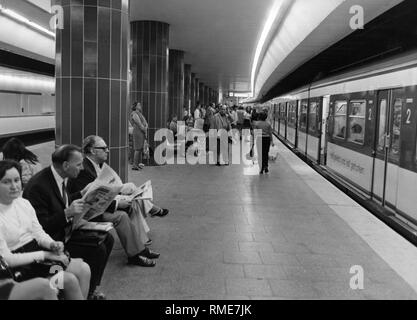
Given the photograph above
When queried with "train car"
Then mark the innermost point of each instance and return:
(361, 126)
(27, 105)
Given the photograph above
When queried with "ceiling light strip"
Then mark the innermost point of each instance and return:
(14, 15)
(265, 32)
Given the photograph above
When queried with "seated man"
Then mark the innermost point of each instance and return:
(95, 155)
(55, 211)
(47, 192)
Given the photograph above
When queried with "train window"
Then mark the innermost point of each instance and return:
(396, 128)
(340, 112)
(382, 124)
(291, 113)
(282, 107)
(357, 112)
(312, 117)
(303, 116)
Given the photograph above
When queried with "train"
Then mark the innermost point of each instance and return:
(27, 106)
(360, 126)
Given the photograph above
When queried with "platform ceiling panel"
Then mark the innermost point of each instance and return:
(218, 36)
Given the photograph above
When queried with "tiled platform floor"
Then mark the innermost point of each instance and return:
(285, 235)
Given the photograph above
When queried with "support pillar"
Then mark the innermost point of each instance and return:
(193, 98)
(187, 87)
(149, 66)
(197, 91)
(91, 74)
(206, 95)
(176, 83)
(201, 93)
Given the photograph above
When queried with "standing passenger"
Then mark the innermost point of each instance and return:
(140, 134)
(264, 141)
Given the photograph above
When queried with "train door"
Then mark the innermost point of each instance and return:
(276, 119)
(324, 129)
(387, 148)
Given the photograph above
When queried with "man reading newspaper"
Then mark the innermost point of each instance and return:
(94, 169)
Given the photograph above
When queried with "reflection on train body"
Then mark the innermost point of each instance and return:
(361, 126)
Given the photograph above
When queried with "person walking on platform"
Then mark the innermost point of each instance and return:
(140, 134)
(221, 121)
(263, 141)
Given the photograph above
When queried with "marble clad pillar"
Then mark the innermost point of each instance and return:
(176, 83)
(149, 66)
(187, 87)
(91, 74)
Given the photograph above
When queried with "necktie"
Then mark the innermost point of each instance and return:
(64, 194)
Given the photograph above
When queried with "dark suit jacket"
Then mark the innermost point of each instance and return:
(86, 176)
(44, 195)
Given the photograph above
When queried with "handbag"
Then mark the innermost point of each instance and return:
(5, 271)
(87, 238)
(146, 150)
(36, 269)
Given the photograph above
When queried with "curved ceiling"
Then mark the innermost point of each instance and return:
(219, 37)
(295, 43)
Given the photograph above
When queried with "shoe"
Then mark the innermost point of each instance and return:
(161, 213)
(266, 170)
(141, 261)
(96, 295)
(141, 166)
(135, 168)
(148, 243)
(218, 164)
(148, 253)
(262, 171)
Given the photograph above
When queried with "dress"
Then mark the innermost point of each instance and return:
(140, 127)
(18, 227)
(6, 287)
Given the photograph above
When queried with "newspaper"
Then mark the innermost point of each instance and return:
(100, 194)
(144, 192)
(96, 226)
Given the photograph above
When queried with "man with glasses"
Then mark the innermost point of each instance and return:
(96, 152)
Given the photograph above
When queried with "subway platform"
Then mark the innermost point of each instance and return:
(232, 234)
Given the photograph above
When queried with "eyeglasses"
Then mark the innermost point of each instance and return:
(102, 148)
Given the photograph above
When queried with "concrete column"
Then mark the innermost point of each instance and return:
(193, 96)
(197, 91)
(201, 92)
(149, 66)
(206, 95)
(187, 87)
(176, 82)
(92, 76)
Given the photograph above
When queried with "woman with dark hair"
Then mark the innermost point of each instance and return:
(14, 149)
(140, 134)
(26, 247)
